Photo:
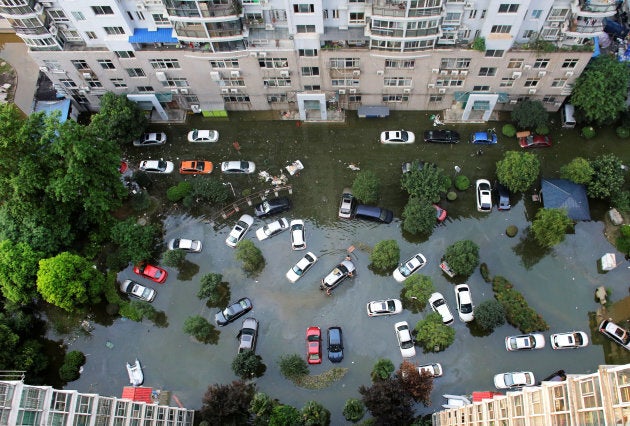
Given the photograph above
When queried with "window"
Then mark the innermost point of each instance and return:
(541, 63)
(118, 82)
(344, 63)
(277, 82)
(160, 19)
(234, 82)
(102, 10)
(303, 8)
(312, 87)
(549, 99)
(531, 82)
(124, 54)
(345, 82)
(515, 63)
(235, 99)
(307, 52)
(536, 13)
(570, 63)
(161, 64)
(224, 63)
(506, 82)
(436, 98)
(135, 72)
(450, 82)
(397, 82)
(78, 16)
(279, 98)
(508, 8)
(487, 72)
(310, 71)
(273, 63)
(91, 35)
(481, 88)
(335, 13)
(176, 82)
(67, 82)
(80, 64)
(145, 89)
(455, 63)
(494, 53)
(57, 15)
(395, 98)
(400, 63)
(114, 30)
(356, 18)
(93, 82)
(106, 64)
(501, 29)
(558, 82)
(529, 33)
(52, 65)
(354, 98)
(305, 28)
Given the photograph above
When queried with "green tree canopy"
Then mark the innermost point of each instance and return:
(285, 415)
(209, 288)
(608, 176)
(578, 170)
(382, 370)
(518, 170)
(315, 414)
(388, 402)
(248, 365)
(292, 366)
(385, 255)
(366, 187)
(418, 216)
(596, 93)
(490, 314)
(418, 289)
(261, 408)
(199, 327)
(463, 257)
(250, 256)
(119, 119)
(18, 272)
(135, 242)
(353, 410)
(427, 183)
(550, 225)
(227, 404)
(69, 281)
(432, 334)
(530, 114)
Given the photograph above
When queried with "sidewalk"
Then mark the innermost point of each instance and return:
(27, 72)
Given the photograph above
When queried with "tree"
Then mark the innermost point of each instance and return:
(69, 370)
(427, 183)
(382, 370)
(462, 256)
(418, 386)
(119, 119)
(227, 404)
(251, 256)
(418, 216)
(608, 176)
(285, 415)
(174, 258)
(69, 281)
(530, 114)
(579, 171)
(18, 272)
(518, 170)
(432, 334)
(366, 187)
(293, 366)
(596, 91)
(353, 410)
(385, 255)
(179, 192)
(489, 314)
(199, 327)
(135, 242)
(247, 365)
(261, 408)
(315, 414)
(418, 289)
(207, 191)
(550, 225)
(210, 288)
(388, 402)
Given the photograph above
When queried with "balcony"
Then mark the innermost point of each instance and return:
(598, 7)
(206, 9)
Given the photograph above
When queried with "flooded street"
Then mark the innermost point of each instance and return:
(559, 285)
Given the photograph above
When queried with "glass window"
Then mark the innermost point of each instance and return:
(102, 10)
(106, 64)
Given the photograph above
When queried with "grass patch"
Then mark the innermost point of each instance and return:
(321, 381)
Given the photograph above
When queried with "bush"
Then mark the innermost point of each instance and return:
(621, 201)
(451, 196)
(198, 327)
(247, 365)
(178, 192)
(140, 201)
(72, 362)
(485, 272)
(433, 335)
(462, 183)
(353, 410)
(508, 130)
(382, 370)
(550, 225)
(517, 311)
(418, 289)
(623, 132)
(75, 358)
(623, 241)
(588, 132)
(543, 129)
(418, 217)
(511, 231)
(174, 258)
(385, 255)
(251, 257)
(479, 44)
(462, 257)
(578, 170)
(209, 287)
(366, 186)
(293, 366)
(490, 314)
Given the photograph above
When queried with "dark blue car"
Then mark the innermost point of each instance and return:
(335, 344)
(487, 138)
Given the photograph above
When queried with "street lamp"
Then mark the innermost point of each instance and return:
(231, 187)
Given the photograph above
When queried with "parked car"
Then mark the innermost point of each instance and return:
(339, 273)
(433, 370)
(347, 204)
(203, 136)
(409, 266)
(503, 195)
(484, 195)
(377, 308)
(313, 345)
(569, 340)
(440, 213)
(441, 136)
(464, 302)
(409, 166)
(525, 342)
(298, 241)
(335, 344)
(488, 137)
(152, 272)
(616, 333)
(236, 167)
(137, 290)
(271, 229)
(248, 335)
(405, 342)
(157, 166)
(239, 230)
(150, 139)
(438, 304)
(233, 311)
(397, 137)
(193, 246)
(195, 167)
(272, 206)
(373, 213)
(514, 380)
(535, 141)
(301, 267)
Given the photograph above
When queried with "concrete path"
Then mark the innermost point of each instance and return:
(27, 72)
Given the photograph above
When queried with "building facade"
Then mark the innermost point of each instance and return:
(471, 57)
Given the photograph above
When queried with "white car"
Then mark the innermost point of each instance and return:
(514, 380)
(397, 137)
(525, 342)
(377, 308)
(298, 241)
(239, 230)
(138, 291)
(185, 244)
(484, 195)
(157, 166)
(271, 229)
(409, 266)
(434, 370)
(438, 304)
(405, 342)
(238, 167)
(464, 303)
(151, 139)
(569, 340)
(301, 267)
(203, 136)
(347, 204)
(338, 274)
(248, 335)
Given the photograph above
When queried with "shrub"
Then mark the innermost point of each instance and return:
(199, 327)
(508, 130)
(72, 362)
(140, 201)
(382, 370)
(578, 170)
(178, 192)
(366, 186)
(75, 358)
(418, 289)
(247, 365)
(517, 311)
(623, 241)
(485, 272)
(353, 410)
(479, 44)
(511, 231)
(588, 132)
(251, 257)
(418, 217)
(462, 183)
(433, 335)
(623, 132)
(462, 257)
(621, 201)
(543, 129)
(209, 287)
(490, 314)
(174, 258)
(385, 255)
(550, 225)
(451, 196)
(293, 366)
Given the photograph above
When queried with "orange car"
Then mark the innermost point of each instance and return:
(195, 167)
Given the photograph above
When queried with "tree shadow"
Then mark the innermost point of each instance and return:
(223, 296)
(529, 250)
(159, 319)
(212, 337)
(187, 270)
(477, 331)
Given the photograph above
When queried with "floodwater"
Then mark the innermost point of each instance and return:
(559, 284)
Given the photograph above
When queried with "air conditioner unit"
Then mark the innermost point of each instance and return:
(352, 91)
(269, 27)
(442, 91)
(380, 72)
(160, 75)
(225, 91)
(39, 8)
(406, 90)
(532, 91)
(435, 70)
(341, 91)
(568, 74)
(430, 85)
(463, 72)
(454, 72)
(253, 54)
(215, 76)
(356, 73)
(469, 5)
(233, 90)
(542, 73)
(83, 92)
(444, 72)
(284, 74)
(527, 67)
(183, 91)
(175, 91)
(195, 108)
(513, 101)
(235, 74)
(43, 69)
(517, 74)
(262, 54)
(87, 75)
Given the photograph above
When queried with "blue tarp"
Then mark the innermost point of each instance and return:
(51, 106)
(564, 194)
(143, 35)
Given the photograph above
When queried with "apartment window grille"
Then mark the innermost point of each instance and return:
(481, 88)
(395, 98)
(277, 82)
(106, 64)
(68, 82)
(356, 18)
(119, 83)
(397, 82)
(102, 10)
(160, 19)
(273, 63)
(507, 82)
(176, 82)
(508, 8)
(114, 30)
(436, 98)
(236, 99)
(312, 87)
(273, 99)
(559, 82)
(400, 63)
(570, 63)
(146, 89)
(344, 82)
(310, 71)
(224, 63)
(515, 63)
(455, 63)
(135, 72)
(58, 15)
(345, 63)
(80, 64)
(493, 53)
(354, 98)
(305, 28)
(160, 64)
(125, 54)
(94, 83)
(541, 63)
(307, 52)
(501, 29)
(487, 72)
(531, 82)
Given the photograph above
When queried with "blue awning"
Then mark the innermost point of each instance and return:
(143, 35)
(51, 106)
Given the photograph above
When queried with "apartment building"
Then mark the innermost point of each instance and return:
(468, 57)
(597, 399)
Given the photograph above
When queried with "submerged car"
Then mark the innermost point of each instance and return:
(238, 167)
(301, 267)
(514, 380)
(313, 345)
(193, 246)
(339, 273)
(248, 335)
(298, 241)
(347, 204)
(615, 333)
(137, 290)
(525, 342)
(271, 229)
(438, 304)
(409, 266)
(487, 138)
(157, 166)
(152, 272)
(535, 141)
(433, 370)
(272, 206)
(203, 136)
(335, 344)
(397, 137)
(441, 136)
(195, 167)
(484, 195)
(239, 230)
(405, 341)
(233, 311)
(503, 198)
(378, 308)
(464, 302)
(569, 340)
(151, 139)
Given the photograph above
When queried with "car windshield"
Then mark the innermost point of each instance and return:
(244, 165)
(404, 136)
(298, 271)
(228, 312)
(406, 344)
(313, 338)
(404, 270)
(161, 164)
(508, 379)
(390, 306)
(466, 308)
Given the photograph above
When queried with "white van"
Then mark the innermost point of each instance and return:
(567, 114)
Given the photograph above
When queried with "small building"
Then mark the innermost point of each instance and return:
(564, 194)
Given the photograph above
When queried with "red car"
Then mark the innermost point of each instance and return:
(534, 141)
(440, 213)
(154, 273)
(313, 345)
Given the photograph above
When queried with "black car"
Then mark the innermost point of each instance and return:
(272, 206)
(441, 136)
(335, 344)
(503, 197)
(233, 311)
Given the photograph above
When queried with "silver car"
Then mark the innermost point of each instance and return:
(151, 139)
(248, 335)
(239, 230)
